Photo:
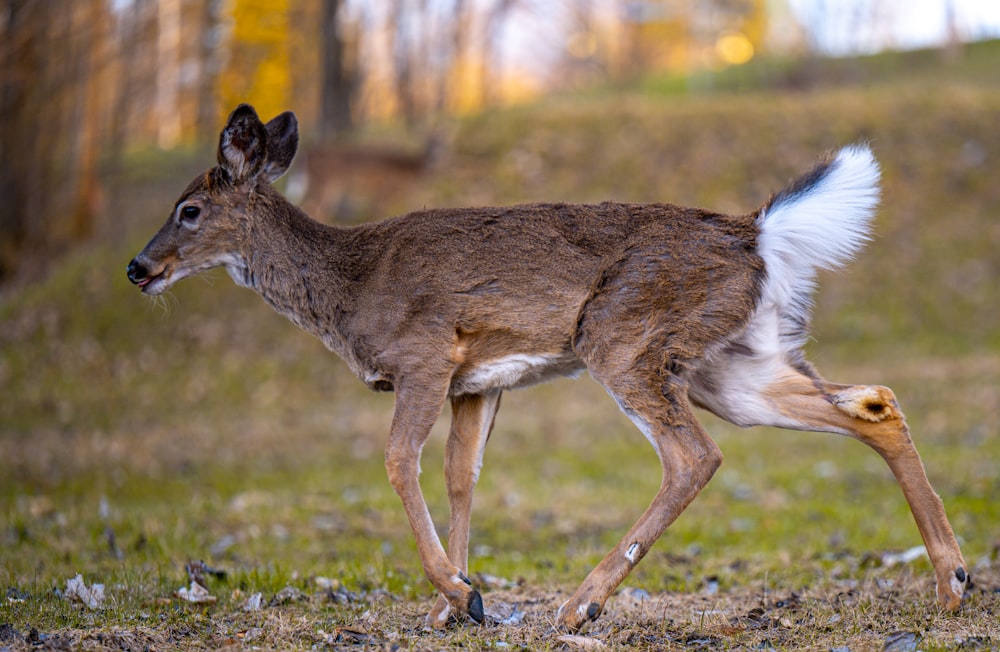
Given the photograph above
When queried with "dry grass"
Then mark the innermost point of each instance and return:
(875, 613)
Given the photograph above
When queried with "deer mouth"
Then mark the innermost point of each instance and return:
(156, 284)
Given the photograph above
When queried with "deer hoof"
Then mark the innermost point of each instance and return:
(572, 619)
(950, 593)
(475, 607)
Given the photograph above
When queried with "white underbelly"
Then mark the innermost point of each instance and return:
(515, 370)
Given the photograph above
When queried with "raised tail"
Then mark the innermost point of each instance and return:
(819, 221)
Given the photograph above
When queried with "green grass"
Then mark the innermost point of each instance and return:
(137, 436)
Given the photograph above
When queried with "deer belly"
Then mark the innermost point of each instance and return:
(512, 371)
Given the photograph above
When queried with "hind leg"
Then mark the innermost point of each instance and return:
(797, 398)
(688, 458)
(642, 333)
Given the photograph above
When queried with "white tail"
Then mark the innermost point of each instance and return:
(662, 305)
(819, 222)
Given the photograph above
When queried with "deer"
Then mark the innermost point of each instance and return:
(667, 308)
(342, 181)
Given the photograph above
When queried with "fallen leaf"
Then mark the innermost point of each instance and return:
(327, 583)
(15, 595)
(342, 596)
(195, 593)
(494, 582)
(353, 635)
(287, 594)
(78, 591)
(504, 613)
(254, 603)
(8, 634)
(582, 642)
(890, 559)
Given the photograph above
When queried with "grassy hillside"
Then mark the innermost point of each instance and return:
(136, 435)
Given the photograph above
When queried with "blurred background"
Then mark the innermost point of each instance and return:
(85, 84)
(204, 426)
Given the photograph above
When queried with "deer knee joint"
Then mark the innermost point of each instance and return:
(868, 403)
(400, 470)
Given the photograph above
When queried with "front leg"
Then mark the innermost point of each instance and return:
(471, 422)
(417, 408)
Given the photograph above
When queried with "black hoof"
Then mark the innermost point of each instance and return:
(476, 607)
(593, 610)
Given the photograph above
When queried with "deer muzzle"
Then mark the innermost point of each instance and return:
(149, 281)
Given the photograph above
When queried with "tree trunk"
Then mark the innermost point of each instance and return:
(336, 95)
(21, 33)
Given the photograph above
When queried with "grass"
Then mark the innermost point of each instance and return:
(137, 436)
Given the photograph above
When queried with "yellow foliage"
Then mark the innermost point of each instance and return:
(258, 68)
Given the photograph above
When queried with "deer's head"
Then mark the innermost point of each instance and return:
(203, 230)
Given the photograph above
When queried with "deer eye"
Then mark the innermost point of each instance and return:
(190, 213)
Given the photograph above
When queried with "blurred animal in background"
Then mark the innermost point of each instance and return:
(339, 181)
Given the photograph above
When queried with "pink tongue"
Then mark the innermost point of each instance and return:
(144, 282)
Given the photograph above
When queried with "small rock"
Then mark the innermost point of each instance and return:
(902, 642)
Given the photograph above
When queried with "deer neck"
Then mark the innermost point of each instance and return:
(302, 268)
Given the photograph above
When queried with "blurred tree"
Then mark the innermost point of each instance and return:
(91, 20)
(496, 15)
(952, 46)
(403, 30)
(133, 67)
(53, 60)
(339, 71)
(209, 65)
(452, 52)
(22, 39)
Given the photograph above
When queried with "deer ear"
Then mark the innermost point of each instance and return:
(282, 143)
(243, 145)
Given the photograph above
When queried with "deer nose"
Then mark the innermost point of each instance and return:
(136, 271)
